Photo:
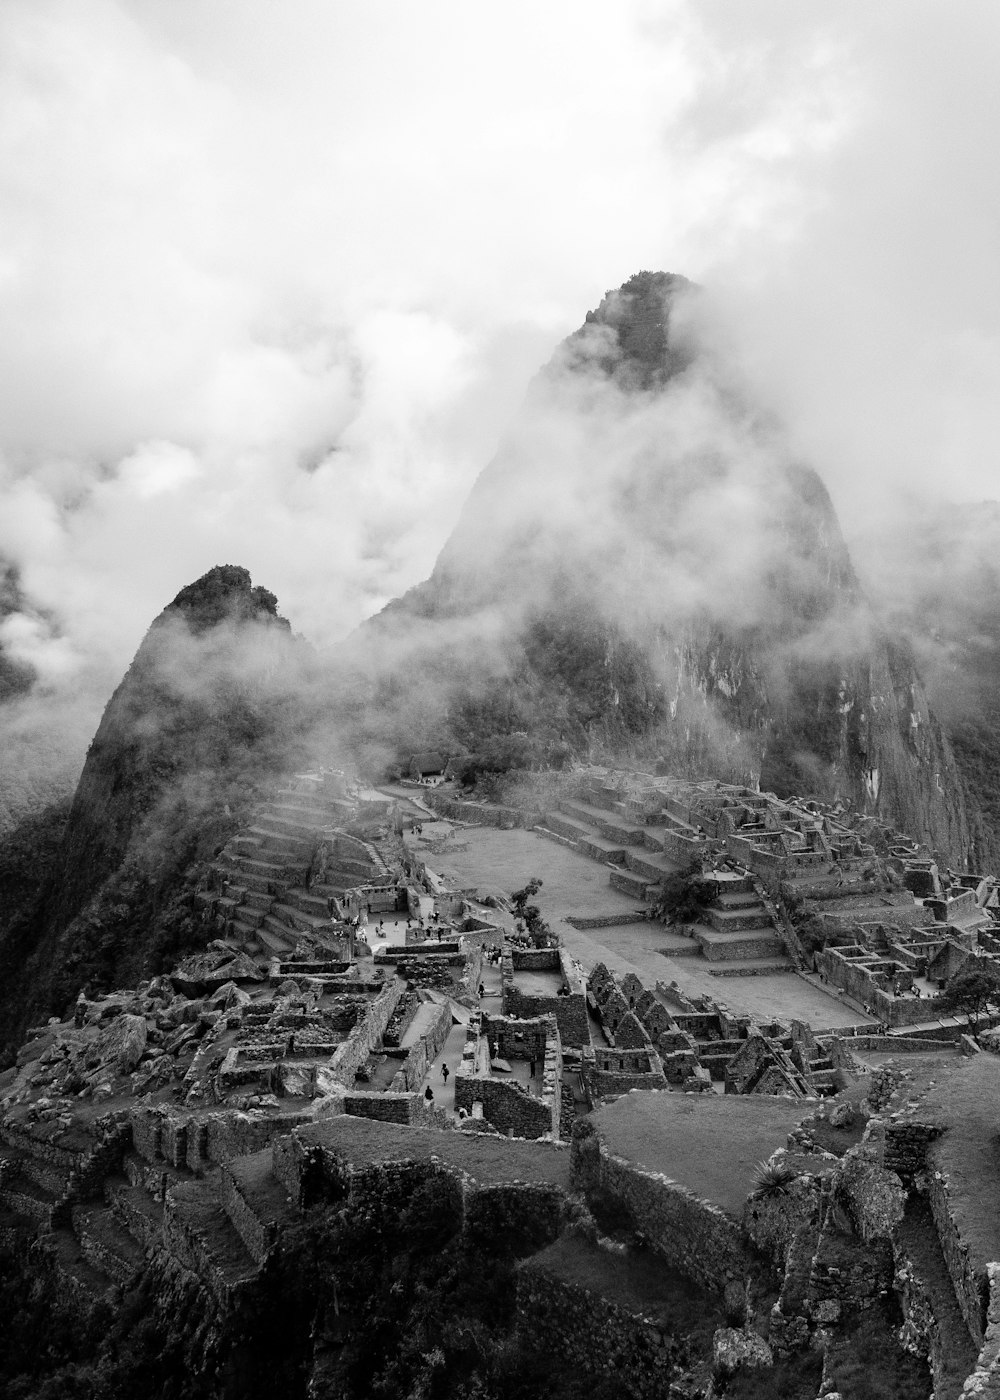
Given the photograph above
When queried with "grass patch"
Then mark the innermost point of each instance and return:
(792, 1378)
(869, 1364)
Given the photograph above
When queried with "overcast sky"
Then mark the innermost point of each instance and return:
(274, 274)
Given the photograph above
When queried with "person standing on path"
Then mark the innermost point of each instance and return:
(444, 1073)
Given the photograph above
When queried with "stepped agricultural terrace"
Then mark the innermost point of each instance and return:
(607, 1066)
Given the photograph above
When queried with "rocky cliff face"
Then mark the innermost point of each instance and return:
(213, 705)
(645, 569)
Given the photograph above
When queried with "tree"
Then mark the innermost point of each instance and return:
(971, 990)
(530, 913)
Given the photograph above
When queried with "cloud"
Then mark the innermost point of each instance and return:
(274, 280)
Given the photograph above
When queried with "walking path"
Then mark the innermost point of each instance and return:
(450, 1054)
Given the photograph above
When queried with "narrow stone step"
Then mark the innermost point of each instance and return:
(106, 1244)
(311, 818)
(15, 1161)
(199, 1234)
(637, 886)
(251, 917)
(296, 919)
(25, 1197)
(651, 867)
(275, 937)
(256, 1203)
(270, 842)
(739, 920)
(78, 1278)
(135, 1209)
(955, 1356)
(309, 903)
(266, 870)
(257, 899)
(287, 826)
(745, 945)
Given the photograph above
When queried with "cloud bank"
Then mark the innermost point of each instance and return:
(273, 279)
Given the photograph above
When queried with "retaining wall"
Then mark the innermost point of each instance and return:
(411, 1073)
(692, 1235)
(563, 1320)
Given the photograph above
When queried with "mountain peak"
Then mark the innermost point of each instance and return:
(226, 592)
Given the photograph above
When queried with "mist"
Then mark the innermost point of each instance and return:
(274, 285)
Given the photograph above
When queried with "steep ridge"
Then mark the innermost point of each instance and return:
(213, 705)
(645, 570)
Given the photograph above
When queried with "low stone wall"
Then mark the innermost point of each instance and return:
(562, 1320)
(411, 1073)
(897, 1044)
(524, 1212)
(602, 1082)
(258, 1235)
(478, 813)
(509, 1106)
(506, 1104)
(970, 1286)
(984, 1383)
(570, 1011)
(388, 1107)
(366, 1035)
(193, 1141)
(583, 921)
(761, 970)
(764, 945)
(694, 1236)
(535, 959)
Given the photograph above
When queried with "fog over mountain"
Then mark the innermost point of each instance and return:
(266, 299)
(646, 572)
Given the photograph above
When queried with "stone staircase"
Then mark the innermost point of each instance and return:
(631, 849)
(258, 892)
(737, 932)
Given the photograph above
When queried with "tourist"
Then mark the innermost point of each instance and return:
(482, 989)
(444, 1073)
(429, 1094)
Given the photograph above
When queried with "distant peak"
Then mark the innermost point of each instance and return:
(225, 593)
(652, 343)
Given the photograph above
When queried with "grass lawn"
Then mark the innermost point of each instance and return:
(710, 1143)
(489, 1159)
(574, 884)
(965, 1100)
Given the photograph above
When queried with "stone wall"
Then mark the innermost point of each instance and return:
(517, 1040)
(535, 959)
(411, 1073)
(562, 1320)
(479, 813)
(984, 1383)
(617, 1071)
(506, 1104)
(970, 1286)
(570, 1011)
(388, 1107)
(694, 1236)
(366, 1035)
(195, 1141)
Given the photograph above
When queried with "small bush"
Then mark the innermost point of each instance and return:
(772, 1179)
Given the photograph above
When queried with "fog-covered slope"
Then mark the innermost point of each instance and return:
(645, 569)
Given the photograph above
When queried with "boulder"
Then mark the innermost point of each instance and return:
(842, 1115)
(228, 996)
(735, 1347)
(123, 1042)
